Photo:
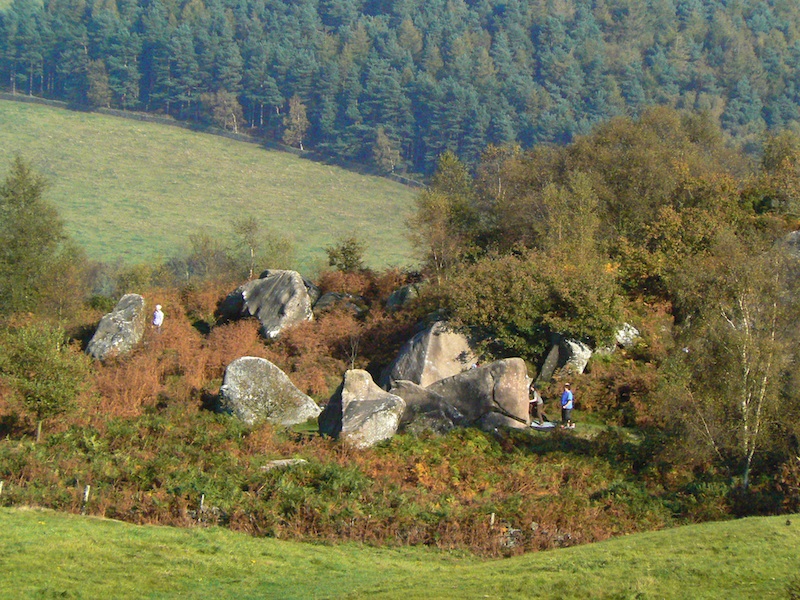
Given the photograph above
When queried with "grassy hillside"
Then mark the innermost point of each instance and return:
(47, 554)
(135, 191)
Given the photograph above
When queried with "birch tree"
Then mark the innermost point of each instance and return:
(743, 342)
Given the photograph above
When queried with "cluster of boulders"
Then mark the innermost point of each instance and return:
(436, 382)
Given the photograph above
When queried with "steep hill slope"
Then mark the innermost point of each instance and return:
(135, 191)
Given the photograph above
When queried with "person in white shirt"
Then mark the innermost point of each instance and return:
(158, 318)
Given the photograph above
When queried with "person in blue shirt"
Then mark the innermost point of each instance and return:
(566, 408)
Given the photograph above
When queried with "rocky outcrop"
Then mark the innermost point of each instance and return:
(120, 330)
(425, 410)
(256, 390)
(435, 353)
(360, 412)
(277, 299)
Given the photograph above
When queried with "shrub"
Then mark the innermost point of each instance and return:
(42, 369)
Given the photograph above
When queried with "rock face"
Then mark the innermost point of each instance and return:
(256, 390)
(360, 412)
(426, 410)
(120, 330)
(490, 396)
(431, 355)
(278, 299)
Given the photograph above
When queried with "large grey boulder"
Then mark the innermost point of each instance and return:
(435, 353)
(277, 299)
(256, 390)
(425, 410)
(489, 396)
(360, 412)
(120, 330)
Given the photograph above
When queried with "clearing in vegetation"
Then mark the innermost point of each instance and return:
(47, 554)
(135, 191)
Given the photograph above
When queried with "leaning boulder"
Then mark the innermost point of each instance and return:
(489, 396)
(277, 299)
(425, 410)
(360, 412)
(120, 330)
(256, 390)
(435, 353)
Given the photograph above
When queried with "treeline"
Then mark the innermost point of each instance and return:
(399, 83)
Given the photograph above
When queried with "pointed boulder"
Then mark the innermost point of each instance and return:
(256, 390)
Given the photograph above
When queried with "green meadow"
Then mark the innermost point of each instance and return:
(44, 554)
(134, 191)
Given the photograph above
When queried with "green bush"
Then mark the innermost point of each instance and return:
(41, 368)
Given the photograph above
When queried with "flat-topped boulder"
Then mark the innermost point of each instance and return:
(435, 353)
(277, 299)
(120, 330)
(360, 412)
(256, 390)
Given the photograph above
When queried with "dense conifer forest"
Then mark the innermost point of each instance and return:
(397, 83)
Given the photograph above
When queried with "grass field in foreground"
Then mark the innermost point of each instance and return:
(135, 191)
(48, 554)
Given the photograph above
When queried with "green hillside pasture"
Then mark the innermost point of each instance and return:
(45, 554)
(135, 191)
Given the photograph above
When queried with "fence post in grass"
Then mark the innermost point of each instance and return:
(86, 491)
(1, 487)
(202, 502)
(491, 521)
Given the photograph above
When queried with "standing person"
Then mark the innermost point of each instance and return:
(537, 405)
(158, 318)
(566, 408)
